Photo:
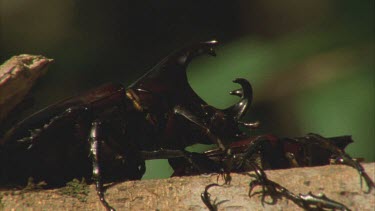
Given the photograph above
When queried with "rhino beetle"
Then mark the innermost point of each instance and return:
(106, 134)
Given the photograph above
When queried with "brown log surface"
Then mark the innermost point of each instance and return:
(17, 76)
(338, 182)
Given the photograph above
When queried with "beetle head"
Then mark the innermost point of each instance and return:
(225, 123)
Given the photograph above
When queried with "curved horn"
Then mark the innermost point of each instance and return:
(239, 109)
(184, 56)
(174, 66)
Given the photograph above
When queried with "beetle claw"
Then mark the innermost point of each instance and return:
(276, 191)
(342, 158)
(206, 198)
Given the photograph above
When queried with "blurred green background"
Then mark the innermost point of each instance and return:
(311, 63)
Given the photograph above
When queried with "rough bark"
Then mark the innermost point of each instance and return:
(340, 183)
(17, 76)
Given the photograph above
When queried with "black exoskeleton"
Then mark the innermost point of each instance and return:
(106, 134)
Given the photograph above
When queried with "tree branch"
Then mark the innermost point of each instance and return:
(337, 182)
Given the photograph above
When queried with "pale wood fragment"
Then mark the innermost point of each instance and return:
(17, 76)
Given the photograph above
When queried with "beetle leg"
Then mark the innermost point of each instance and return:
(268, 186)
(341, 157)
(178, 110)
(29, 141)
(95, 150)
(276, 191)
(206, 198)
(255, 146)
(227, 161)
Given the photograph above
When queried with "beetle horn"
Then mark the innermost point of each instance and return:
(174, 67)
(185, 56)
(239, 109)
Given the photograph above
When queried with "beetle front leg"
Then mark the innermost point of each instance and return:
(206, 198)
(276, 191)
(341, 157)
(227, 161)
(95, 151)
